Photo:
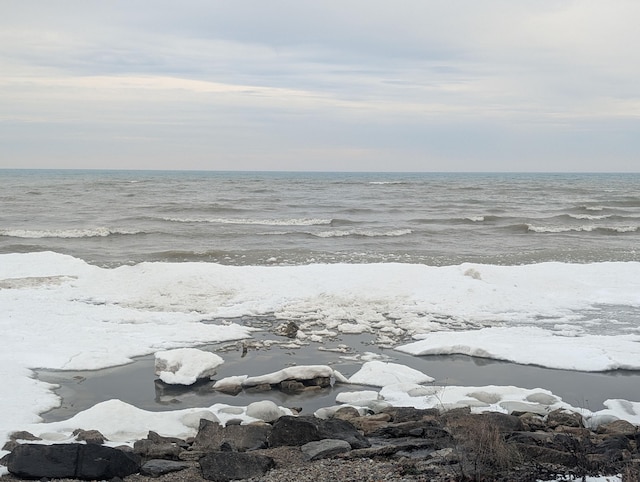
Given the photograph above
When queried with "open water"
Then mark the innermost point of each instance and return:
(110, 218)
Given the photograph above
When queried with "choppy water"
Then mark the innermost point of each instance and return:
(112, 218)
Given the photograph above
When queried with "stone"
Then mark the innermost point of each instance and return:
(297, 431)
(503, 422)
(324, 448)
(225, 466)
(158, 467)
(89, 436)
(621, 427)
(81, 461)
(409, 414)
(157, 450)
(565, 418)
(290, 329)
(212, 435)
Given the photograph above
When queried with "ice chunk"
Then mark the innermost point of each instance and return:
(185, 366)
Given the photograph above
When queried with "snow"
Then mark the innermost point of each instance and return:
(378, 374)
(301, 372)
(58, 312)
(535, 346)
(122, 423)
(184, 366)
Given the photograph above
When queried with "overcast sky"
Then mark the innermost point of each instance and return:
(411, 85)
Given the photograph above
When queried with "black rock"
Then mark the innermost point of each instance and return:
(89, 462)
(224, 466)
(212, 436)
(296, 431)
(158, 467)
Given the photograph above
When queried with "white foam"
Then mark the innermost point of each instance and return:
(261, 222)
(337, 233)
(64, 233)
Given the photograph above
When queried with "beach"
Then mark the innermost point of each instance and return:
(508, 281)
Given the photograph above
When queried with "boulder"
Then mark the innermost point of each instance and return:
(225, 466)
(88, 462)
(158, 467)
(324, 448)
(564, 418)
(212, 435)
(265, 410)
(297, 431)
(89, 436)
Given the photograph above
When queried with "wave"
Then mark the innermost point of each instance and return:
(65, 233)
(586, 228)
(337, 233)
(381, 183)
(263, 222)
(591, 217)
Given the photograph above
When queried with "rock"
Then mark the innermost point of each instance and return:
(90, 461)
(212, 435)
(89, 436)
(158, 467)
(324, 448)
(503, 422)
(620, 427)
(408, 414)
(346, 413)
(290, 329)
(296, 431)
(565, 418)
(150, 449)
(225, 466)
(23, 435)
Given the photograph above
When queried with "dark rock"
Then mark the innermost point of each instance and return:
(212, 436)
(152, 450)
(410, 414)
(290, 329)
(80, 461)
(616, 443)
(324, 448)
(291, 386)
(419, 428)
(160, 439)
(263, 387)
(296, 431)
(503, 422)
(23, 435)
(619, 427)
(225, 466)
(564, 418)
(546, 455)
(89, 436)
(322, 382)
(158, 467)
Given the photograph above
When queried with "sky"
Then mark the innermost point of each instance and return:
(349, 85)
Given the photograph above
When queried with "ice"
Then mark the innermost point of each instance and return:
(302, 372)
(535, 346)
(185, 366)
(59, 312)
(122, 423)
(378, 374)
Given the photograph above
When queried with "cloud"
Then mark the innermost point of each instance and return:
(496, 85)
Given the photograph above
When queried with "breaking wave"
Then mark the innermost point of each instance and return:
(264, 222)
(587, 228)
(336, 233)
(65, 233)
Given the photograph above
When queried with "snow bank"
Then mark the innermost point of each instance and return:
(378, 374)
(535, 346)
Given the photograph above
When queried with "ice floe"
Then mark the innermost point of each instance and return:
(185, 366)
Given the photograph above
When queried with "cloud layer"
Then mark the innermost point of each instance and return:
(357, 85)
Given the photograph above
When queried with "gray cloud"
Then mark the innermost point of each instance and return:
(356, 85)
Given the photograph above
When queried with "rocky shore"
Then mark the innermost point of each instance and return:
(393, 444)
